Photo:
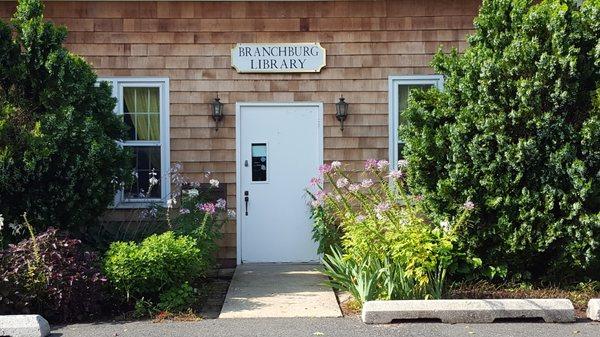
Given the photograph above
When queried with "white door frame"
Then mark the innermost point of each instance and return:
(238, 156)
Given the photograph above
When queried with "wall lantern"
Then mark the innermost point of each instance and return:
(341, 111)
(217, 111)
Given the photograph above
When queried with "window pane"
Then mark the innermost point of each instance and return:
(403, 94)
(400, 150)
(146, 163)
(143, 107)
(259, 161)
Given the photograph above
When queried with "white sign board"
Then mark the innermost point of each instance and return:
(278, 57)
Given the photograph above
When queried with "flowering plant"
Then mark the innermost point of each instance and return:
(383, 224)
(192, 210)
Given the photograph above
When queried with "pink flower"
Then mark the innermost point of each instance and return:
(418, 197)
(342, 182)
(336, 164)
(320, 194)
(221, 203)
(354, 187)
(316, 181)
(382, 207)
(382, 164)
(469, 205)
(366, 183)
(208, 208)
(325, 168)
(396, 174)
(370, 164)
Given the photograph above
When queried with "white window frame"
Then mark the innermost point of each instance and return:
(394, 82)
(117, 84)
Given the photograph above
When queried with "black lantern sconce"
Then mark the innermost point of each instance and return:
(217, 111)
(341, 111)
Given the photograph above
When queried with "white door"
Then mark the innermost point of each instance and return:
(279, 150)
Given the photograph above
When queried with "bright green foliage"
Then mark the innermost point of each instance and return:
(515, 132)
(390, 249)
(58, 157)
(325, 231)
(177, 299)
(158, 263)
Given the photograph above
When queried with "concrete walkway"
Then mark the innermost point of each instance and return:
(279, 290)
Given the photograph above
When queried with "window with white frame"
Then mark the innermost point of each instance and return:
(400, 88)
(143, 104)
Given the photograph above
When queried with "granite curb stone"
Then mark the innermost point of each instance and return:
(593, 309)
(24, 326)
(469, 311)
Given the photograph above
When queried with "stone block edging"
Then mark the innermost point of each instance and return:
(469, 311)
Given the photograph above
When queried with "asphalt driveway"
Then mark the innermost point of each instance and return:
(349, 326)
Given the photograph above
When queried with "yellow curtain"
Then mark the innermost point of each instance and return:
(154, 108)
(144, 106)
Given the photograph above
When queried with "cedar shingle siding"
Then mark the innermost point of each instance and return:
(190, 42)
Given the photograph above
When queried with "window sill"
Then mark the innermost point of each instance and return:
(138, 204)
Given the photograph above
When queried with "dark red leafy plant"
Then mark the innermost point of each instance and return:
(52, 275)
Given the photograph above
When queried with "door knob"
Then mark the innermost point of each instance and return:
(246, 198)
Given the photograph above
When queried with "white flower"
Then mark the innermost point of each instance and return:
(16, 228)
(230, 213)
(366, 183)
(445, 225)
(214, 183)
(402, 163)
(354, 187)
(361, 218)
(221, 203)
(342, 182)
(171, 202)
(153, 181)
(193, 192)
(336, 164)
(1, 222)
(382, 164)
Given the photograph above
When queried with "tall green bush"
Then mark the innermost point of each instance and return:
(58, 157)
(516, 131)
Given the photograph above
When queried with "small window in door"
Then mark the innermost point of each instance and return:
(259, 162)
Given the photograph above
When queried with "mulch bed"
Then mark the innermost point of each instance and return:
(485, 290)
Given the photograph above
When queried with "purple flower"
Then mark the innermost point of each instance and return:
(221, 203)
(208, 208)
(342, 182)
(469, 205)
(370, 164)
(397, 174)
(325, 168)
(382, 164)
(361, 218)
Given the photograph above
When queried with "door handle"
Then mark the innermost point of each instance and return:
(246, 198)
